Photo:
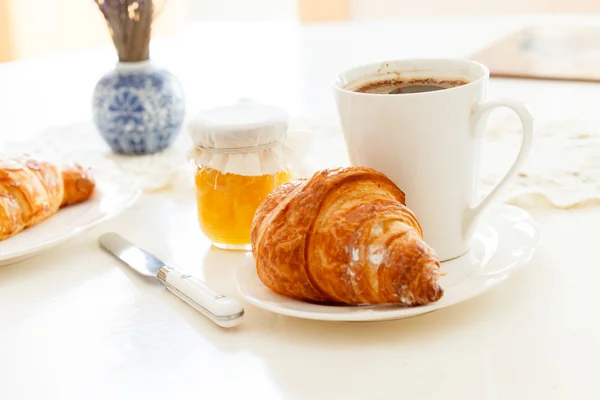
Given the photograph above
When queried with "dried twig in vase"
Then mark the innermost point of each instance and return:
(130, 25)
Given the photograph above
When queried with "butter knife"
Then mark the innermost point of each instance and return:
(222, 310)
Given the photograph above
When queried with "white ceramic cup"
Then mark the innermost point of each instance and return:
(428, 143)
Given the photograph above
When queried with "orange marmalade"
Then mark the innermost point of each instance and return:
(227, 202)
(240, 155)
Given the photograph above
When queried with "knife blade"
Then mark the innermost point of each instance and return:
(222, 310)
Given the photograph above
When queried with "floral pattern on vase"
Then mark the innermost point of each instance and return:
(138, 108)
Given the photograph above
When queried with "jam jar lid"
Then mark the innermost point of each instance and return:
(245, 138)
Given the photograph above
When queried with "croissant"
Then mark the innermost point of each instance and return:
(32, 190)
(344, 236)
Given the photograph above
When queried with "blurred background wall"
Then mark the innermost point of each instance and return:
(363, 9)
(37, 28)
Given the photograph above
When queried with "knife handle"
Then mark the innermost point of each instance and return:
(222, 310)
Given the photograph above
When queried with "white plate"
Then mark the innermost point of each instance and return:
(114, 193)
(505, 239)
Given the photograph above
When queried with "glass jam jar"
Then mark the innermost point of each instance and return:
(240, 158)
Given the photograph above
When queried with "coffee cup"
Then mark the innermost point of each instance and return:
(427, 140)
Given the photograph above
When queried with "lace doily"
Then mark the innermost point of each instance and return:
(167, 170)
(562, 171)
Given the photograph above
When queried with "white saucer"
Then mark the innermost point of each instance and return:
(505, 239)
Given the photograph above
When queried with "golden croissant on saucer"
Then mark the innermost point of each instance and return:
(33, 190)
(344, 236)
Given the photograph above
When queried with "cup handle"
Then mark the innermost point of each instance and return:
(479, 113)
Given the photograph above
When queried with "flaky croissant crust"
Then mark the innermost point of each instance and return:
(32, 190)
(344, 236)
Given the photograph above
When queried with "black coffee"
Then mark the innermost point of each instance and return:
(409, 86)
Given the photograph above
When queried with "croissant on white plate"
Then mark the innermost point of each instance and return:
(32, 190)
(344, 236)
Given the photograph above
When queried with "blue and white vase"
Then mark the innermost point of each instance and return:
(138, 108)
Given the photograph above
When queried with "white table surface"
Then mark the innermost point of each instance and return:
(75, 323)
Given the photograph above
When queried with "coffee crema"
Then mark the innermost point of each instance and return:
(407, 86)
